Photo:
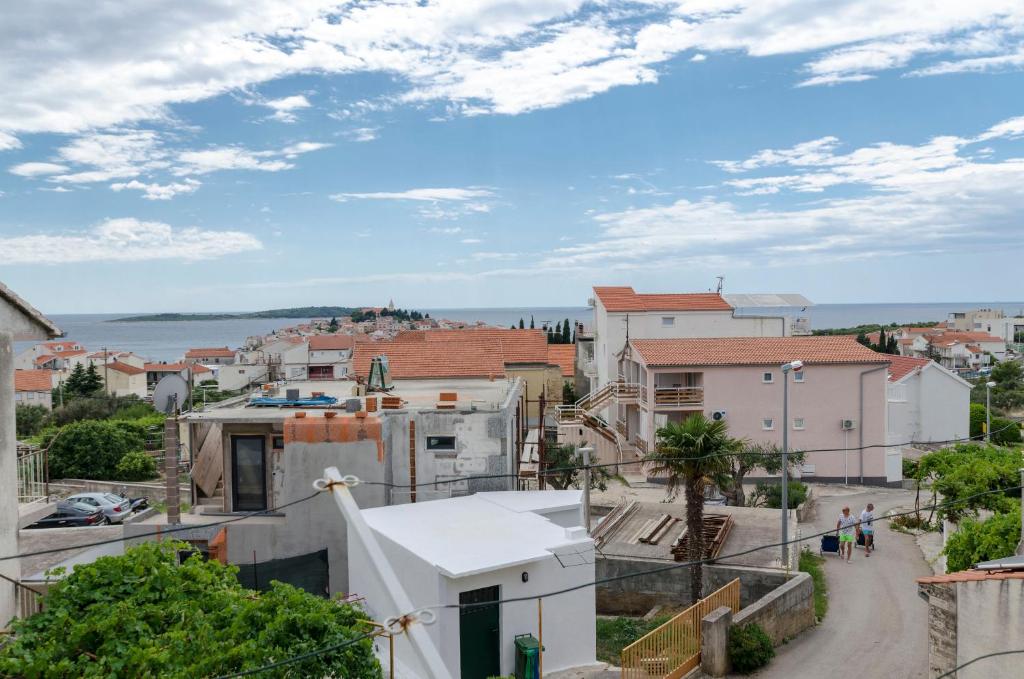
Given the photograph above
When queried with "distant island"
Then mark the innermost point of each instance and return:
(293, 312)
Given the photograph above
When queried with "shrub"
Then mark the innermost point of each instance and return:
(976, 541)
(812, 564)
(750, 648)
(91, 449)
(910, 522)
(910, 468)
(136, 466)
(30, 419)
(770, 495)
(1005, 431)
(144, 615)
(80, 409)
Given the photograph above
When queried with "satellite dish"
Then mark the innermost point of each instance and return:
(170, 394)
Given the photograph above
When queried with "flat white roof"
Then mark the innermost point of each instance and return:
(537, 501)
(464, 536)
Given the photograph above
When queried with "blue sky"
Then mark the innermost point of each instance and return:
(264, 154)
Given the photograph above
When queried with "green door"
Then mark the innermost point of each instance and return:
(479, 643)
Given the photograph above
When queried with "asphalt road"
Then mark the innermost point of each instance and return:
(876, 625)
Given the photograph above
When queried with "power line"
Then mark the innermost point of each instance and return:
(300, 658)
(974, 660)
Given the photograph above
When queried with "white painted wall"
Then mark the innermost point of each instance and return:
(238, 375)
(937, 406)
(990, 617)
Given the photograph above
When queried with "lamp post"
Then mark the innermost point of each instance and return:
(988, 410)
(792, 366)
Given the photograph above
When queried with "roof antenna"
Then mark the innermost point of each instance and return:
(721, 282)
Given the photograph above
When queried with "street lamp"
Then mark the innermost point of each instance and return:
(792, 366)
(988, 410)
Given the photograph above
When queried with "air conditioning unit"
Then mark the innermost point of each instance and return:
(847, 425)
(718, 415)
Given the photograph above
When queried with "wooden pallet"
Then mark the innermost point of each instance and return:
(715, 531)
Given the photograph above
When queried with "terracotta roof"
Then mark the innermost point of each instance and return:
(905, 340)
(200, 368)
(516, 346)
(164, 367)
(564, 356)
(419, 360)
(755, 351)
(901, 366)
(125, 368)
(62, 347)
(624, 298)
(974, 348)
(971, 576)
(330, 342)
(33, 380)
(203, 352)
(45, 358)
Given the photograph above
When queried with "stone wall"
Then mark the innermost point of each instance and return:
(155, 491)
(941, 627)
(784, 612)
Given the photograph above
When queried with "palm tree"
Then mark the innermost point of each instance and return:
(693, 453)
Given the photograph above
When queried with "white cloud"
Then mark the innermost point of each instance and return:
(301, 147)
(128, 62)
(471, 241)
(285, 108)
(126, 240)
(158, 191)
(445, 230)
(361, 134)
(699, 57)
(37, 169)
(433, 195)
(8, 142)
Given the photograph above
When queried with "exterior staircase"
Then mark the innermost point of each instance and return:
(584, 413)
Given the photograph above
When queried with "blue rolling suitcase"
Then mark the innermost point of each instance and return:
(829, 543)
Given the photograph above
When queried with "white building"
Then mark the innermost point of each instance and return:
(665, 316)
(926, 402)
(330, 356)
(33, 388)
(480, 548)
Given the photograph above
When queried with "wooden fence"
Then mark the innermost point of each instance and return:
(673, 649)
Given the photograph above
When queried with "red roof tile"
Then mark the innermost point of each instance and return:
(624, 298)
(125, 368)
(214, 352)
(330, 342)
(901, 366)
(45, 358)
(564, 356)
(33, 380)
(971, 576)
(164, 367)
(755, 351)
(200, 368)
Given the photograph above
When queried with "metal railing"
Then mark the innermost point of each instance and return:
(33, 475)
(673, 649)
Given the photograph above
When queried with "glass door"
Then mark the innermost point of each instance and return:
(248, 473)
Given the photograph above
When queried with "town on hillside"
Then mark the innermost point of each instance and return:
(669, 487)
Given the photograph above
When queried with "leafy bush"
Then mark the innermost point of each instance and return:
(812, 564)
(143, 615)
(136, 466)
(770, 495)
(1005, 431)
(92, 449)
(910, 468)
(30, 419)
(976, 541)
(910, 522)
(750, 648)
(614, 634)
(966, 471)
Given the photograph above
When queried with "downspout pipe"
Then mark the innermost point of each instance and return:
(860, 419)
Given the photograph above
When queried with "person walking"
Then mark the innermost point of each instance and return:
(846, 528)
(867, 528)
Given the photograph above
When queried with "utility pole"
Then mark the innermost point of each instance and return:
(795, 366)
(988, 411)
(1020, 545)
(541, 444)
(586, 451)
(106, 384)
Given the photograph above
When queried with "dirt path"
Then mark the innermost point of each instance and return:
(876, 625)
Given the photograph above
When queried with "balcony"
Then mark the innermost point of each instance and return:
(675, 397)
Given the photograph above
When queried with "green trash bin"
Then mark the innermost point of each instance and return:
(527, 657)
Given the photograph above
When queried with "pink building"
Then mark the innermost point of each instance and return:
(837, 402)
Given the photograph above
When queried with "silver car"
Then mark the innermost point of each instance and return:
(114, 507)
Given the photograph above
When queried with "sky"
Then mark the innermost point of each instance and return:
(243, 155)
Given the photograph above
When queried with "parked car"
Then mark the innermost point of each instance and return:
(114, 507)
(72, 515)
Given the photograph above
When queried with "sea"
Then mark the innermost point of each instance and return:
(169, 340)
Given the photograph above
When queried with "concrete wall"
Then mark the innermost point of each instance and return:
(945, 406)
(785, 611)
(942, 627)
(8, 476)
(156, 491)
(238, 375)
(990, 617)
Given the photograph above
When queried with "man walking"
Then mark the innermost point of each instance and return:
(867, 528)
(845, 529)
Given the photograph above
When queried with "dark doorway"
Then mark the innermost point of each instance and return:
(248, 473)
(479, 640)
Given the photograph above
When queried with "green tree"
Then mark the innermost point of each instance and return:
(556, 338)
(694, 453)
(892, 346)
(568, 393)
(882, 344)
(521, 324)
(562, 469)
(531, 322)
(863, 339)
(961, 473)
(92, 449)
(29, 420)
(751, 456)
(566, 333)
(75, 384)
(1008, 375)
(136, 465)
(333, 325)
(93, 382)
(977, 541)
(144, 615)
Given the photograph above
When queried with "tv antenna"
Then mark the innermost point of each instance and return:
(721, 283)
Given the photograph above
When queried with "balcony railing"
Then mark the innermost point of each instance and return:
(33, 475)
(675, 397)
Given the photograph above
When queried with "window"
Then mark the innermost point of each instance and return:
(441, 443)
(767, 377)
(668, 320)
(798, 423)
(767, 424)
(278, 443)
(798, 376)
(248, 473)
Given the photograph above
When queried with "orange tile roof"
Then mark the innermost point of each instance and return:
(165, 367)
(755, 351)
(330, 342)
(204, 352)
(125, 368)
(564, 356)
(62, 347)
(419, 360)
(971, 576)
(901, 366)
(33, 380)
(45, 358)
(200, 368)
(624, 298)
